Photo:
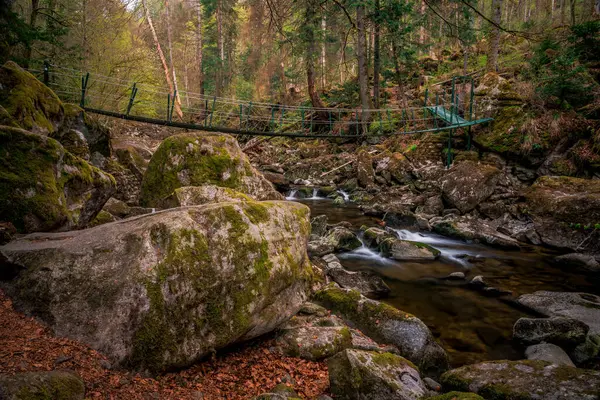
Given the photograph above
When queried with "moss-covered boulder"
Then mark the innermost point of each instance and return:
(279, 392)
(46, 385)
(43, 187)
(81, 134)
(198, 195)
(196, 159)
(468, 183)
(343, 239)
(386, 324)
(531, 379)
(315, 342)
(565, 212)
(405, 250)
(30, 103)
(163, 290)
(369, 375)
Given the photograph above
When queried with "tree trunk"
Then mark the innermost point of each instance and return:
(220, 48)
(199, 51)
(170, 45)
(323, 53)
(492, 61)
(573, 22)
(32, 21)
(161, 55)
(363, 77)
(376, 55)
(310, 27)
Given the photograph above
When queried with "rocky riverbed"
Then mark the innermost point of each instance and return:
(165, 254)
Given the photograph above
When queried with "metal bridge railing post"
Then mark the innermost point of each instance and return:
(46, 72)
(212, 111)
(134, 91)
(330, 122)
(84, 83)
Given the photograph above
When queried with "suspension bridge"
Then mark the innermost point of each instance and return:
(446, 109)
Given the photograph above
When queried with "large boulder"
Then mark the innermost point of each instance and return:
(43, 187)
(386, 324)
(530, 379)
(45, 385)
(82, 135)
(467, 227)
(29, 104)
(583, 307)
(564, 211)
(567, 332)
(315, 342)
(369, 375)
(550, 353)
(468, 183)
(161, 291)
(198, 195)
(196, 159)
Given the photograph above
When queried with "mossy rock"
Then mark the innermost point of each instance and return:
(315, 343)
(51, 385)
(406, 250)
(103, 217)
(43, 187)
(198, 195)
(527, 380)
(387, 325)
(194, 159)
(359, 374)
(81, 134)
(457, 396)
(163, 290)
(30, 103)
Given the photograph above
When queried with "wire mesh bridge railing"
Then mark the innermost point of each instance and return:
(447, 109)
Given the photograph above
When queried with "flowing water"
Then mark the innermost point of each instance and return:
(470, 326)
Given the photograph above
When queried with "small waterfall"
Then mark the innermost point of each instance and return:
(292, 194)
(366, 253)
(314, 194)
(153, 210)
(345, 195)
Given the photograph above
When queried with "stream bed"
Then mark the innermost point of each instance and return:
(470, 326)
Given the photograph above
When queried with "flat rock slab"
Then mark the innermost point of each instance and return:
(583, 307)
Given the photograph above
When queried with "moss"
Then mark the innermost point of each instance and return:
(30, 103)
(420, 245)
(103, 217)
(42, 181)
(54, 386)
(391, 360)
(201, 159)
(504, 136)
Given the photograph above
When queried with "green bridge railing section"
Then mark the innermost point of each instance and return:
(445, 109)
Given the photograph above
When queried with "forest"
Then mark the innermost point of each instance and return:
(300, 199)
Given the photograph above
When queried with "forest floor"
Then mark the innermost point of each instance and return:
(26, 345)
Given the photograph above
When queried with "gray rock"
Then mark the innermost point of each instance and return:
(456, 276)
(61, 385)
(386, 324)
(469, 183)
(199, 195)
(586, 350)
(367, 283)
(530, 379)
(365, 172)
(468, 227)
(432, 385)
(373, 237)
(405, 250)
(477, 281)
(343, 239)
(320, 247)
(163, 290)
(315, 342)
(319, 225)
(566, 332)
(578, 260)
(280, 392)
(583, 307)
(309, 308)
(550, 353)
(365, 375)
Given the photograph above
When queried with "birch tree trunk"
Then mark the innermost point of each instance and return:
(161, 55)
(170, 45)
(35, 8)
(323, 53)
(220, 48)
(363, 76)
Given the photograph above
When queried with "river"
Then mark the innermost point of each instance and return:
(471, 326)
